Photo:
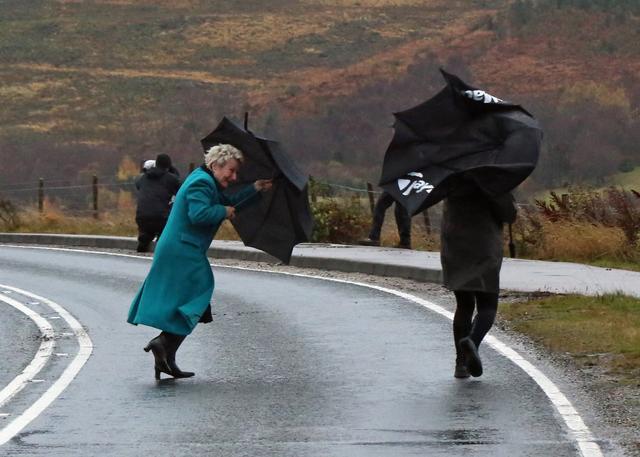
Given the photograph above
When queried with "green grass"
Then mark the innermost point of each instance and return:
(628, 180)
(603, 330)
(616, 263)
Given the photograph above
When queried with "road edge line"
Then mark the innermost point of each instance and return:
(578, 430)
(41, 357)
(70, 372)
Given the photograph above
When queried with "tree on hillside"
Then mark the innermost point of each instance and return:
(127, 169)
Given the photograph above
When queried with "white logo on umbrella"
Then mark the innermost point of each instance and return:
(481, 96)
(406, 186)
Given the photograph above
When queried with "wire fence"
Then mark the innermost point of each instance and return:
(72, 197)
(93, 195)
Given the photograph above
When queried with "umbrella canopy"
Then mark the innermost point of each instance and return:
(462, 134)
(282, 218)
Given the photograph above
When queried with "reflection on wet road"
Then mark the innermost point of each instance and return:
(289, 367)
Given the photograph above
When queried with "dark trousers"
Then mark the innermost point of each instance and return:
(463, 325)
(149, 227)
(403, 220)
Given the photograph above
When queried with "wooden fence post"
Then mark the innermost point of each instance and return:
(95, 197)
(41, 195)
(371, 198)
(427, 221)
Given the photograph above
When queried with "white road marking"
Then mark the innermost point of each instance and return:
(84, 351)
(578, 430)
(42, 354)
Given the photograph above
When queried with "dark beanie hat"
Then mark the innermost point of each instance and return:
(163, 161)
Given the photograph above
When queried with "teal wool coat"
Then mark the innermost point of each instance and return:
(180, 284)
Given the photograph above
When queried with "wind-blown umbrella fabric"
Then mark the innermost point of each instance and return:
(282, 218)
(461, 132)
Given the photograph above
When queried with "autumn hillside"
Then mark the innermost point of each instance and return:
(86, 84)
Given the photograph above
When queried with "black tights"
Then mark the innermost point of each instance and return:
(463, 325)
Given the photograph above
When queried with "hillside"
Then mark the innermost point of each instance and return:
(86, 83)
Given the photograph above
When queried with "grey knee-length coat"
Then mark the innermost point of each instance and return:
(472, 241)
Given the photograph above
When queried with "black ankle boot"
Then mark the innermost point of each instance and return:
(461, 371)
(174, 343)
(158, 346)
(471, 357)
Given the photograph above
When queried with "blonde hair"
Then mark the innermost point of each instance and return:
(221, 153)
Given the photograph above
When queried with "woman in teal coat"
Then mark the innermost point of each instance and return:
(177, 292)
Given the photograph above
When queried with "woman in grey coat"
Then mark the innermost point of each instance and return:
(471, 256)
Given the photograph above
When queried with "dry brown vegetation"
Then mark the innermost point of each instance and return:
(321, 76)
(599, 227)
(583, 225)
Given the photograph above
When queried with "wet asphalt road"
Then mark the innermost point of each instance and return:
(289, 367)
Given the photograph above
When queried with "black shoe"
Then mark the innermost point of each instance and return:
(159, 349)
(403, 246)
(461, 371)
(471, 356)
(176, 372)
(174, 342)
(369, 242)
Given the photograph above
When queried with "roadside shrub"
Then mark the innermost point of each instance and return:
(626, 166)
(9, 218)
(627, 213)
(580, 241)
(582, 225)
(528, 233)
(339, 220)
(612, 207)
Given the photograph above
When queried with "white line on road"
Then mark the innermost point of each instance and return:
(578, 430)
(39, 360)
(84, 351)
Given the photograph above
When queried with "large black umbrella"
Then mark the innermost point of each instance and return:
(282, 218)
(462, 132)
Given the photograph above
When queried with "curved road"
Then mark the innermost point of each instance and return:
(291, 366)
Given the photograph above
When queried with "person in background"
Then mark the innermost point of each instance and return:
(471, 255)
(403, 222)
(176, 293)
(147, 165)
(155, 187)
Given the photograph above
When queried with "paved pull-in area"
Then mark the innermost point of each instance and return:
(290, 366)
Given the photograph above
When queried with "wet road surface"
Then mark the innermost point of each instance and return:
(290, 367)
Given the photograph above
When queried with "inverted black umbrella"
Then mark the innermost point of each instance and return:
(282, 217)
(462, 134)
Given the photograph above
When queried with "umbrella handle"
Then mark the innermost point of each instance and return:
(244, 200)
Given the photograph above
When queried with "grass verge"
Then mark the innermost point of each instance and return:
(601, 331)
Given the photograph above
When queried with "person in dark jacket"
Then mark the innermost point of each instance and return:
(403, 222)
(156, 187)
(471, 256)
